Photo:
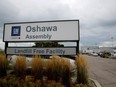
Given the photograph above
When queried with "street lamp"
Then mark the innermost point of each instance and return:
(112, 40)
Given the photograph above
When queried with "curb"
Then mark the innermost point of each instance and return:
(95, 83)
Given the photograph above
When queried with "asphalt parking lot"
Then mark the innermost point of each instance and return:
(103, 70)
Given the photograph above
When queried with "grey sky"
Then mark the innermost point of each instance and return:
(97, 17)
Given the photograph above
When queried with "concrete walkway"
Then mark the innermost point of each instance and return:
(103, 70)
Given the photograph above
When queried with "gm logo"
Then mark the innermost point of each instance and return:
(15, 31)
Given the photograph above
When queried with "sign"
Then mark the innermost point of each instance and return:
(41, 51)
(65, 30)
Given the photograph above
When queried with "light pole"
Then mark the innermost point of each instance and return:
(112, 40)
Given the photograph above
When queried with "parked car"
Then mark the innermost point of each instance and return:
(94, 54)
(104, 54)
(113, 55)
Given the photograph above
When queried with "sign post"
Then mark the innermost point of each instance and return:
(6, 45)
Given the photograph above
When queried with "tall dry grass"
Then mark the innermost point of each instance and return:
(59, 70)
(54, 66)
(82, 73)
(37, 67)
(20, 66)
(3, 65)
(66, 72)
(49, 70)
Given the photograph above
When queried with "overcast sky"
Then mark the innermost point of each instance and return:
(97, 17)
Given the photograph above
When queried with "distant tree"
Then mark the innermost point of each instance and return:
(48, 44)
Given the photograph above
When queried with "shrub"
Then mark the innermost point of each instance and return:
(82, 85)
(20, 66)
(82, 73)
(3, 65)
(27, 82)
(54, 84)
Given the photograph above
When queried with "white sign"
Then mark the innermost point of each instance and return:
(41, 51)
(42, 31)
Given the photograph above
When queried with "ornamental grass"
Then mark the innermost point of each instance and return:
(3, 65)
(20, 66)
(37, 67)
(66, 72)
(49, 70)
(82, 73)
(54, 72)
(59, 69)
(54, 66)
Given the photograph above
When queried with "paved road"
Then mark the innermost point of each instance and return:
(103, 70)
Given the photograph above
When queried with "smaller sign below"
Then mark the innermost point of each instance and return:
(41, 51)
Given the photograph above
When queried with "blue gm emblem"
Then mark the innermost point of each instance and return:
(15, 30)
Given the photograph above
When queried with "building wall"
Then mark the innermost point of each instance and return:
(97, 49)
(90, 49)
